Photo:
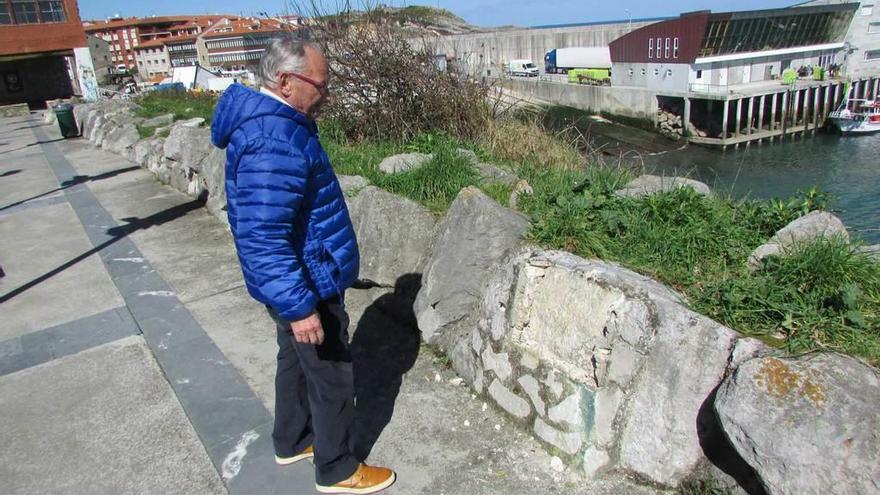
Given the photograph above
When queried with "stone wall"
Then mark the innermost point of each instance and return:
(608, 368)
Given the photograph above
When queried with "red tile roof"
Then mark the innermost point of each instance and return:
(93, 26)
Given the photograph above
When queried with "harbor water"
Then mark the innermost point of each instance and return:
(847, 168)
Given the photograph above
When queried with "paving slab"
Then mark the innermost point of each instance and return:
(207, 266)
(101, 421)
(25, 177)
(242, 328)
(46, 247)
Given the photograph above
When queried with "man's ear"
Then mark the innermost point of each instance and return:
(284, 86)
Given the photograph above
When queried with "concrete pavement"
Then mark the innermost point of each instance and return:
(132, 359)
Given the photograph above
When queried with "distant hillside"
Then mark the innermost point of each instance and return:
(414, 20)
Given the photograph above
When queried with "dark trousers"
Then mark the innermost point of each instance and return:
(314, 395)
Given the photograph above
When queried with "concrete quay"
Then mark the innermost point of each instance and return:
(132, 359)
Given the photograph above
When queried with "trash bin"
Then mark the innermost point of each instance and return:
(66, 120)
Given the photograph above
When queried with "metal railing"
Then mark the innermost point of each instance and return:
(712, 89)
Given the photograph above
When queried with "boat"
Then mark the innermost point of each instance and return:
(857, 116)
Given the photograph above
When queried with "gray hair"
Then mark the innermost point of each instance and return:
(284, 54)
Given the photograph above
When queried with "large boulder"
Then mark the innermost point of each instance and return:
(605, 365)
(806, 425)
(188, 146)
(473, 238)
(403, 162)
(159, 121)
(811, 227)
(352, 184)
(394, 235)
(148, 153)
(688, 357)
(647, 185)
(488, 172)
(213, 174)
(122, 138)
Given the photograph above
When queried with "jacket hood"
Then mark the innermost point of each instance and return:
(240, 104)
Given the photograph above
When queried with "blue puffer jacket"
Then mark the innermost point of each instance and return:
(288, 216)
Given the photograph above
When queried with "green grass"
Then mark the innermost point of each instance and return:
(146, 132)
(434, 185)
(183, 104)
(823, 296)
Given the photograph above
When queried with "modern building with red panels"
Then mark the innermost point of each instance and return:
(44, 53)
(699, 51)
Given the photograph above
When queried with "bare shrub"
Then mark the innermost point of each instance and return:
(384, 87)
(528, 142)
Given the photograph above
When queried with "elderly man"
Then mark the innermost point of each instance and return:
(298, 253)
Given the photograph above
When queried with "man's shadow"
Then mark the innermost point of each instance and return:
(384, 347)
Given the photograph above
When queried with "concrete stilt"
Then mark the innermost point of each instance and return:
(751, 116)
(807, 111)
(724, 118)
(784, 118)
(686, 121)
(815, 109)
(827, 107)
(739, 112)
(773, 102)
(762, 102)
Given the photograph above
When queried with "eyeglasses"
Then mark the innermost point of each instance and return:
(320, 86)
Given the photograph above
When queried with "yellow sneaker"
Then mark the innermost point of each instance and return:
(367, 479)
(305, 454)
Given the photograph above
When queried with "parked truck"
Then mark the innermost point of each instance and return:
(562, 60)
(521, 67)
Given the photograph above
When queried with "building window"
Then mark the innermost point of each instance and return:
(25, 11)
(874, 28)
(666, 51)
(699, 74)
(668, 72)
(872, 55)
(659, 47)
(656, 72)
(675, 48)
(643, 72)
(630, 73)
(867, 9)
(651, 48)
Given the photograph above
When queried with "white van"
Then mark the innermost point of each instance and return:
(521, 67)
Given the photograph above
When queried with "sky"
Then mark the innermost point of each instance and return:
(480, 12)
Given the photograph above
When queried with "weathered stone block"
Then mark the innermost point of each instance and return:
(806, 425)
(647, 185)
(686, 362)
(533, 389)
(475, 235)
(394, 234)
(498, 363)
(570, 443)
(509, 401)
(403, 162)
(811, 227)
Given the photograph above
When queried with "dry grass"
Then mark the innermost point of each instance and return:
(529, 143)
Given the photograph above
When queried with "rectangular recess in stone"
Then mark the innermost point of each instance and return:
(257, 471)
(218, 401)
(68, 338)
